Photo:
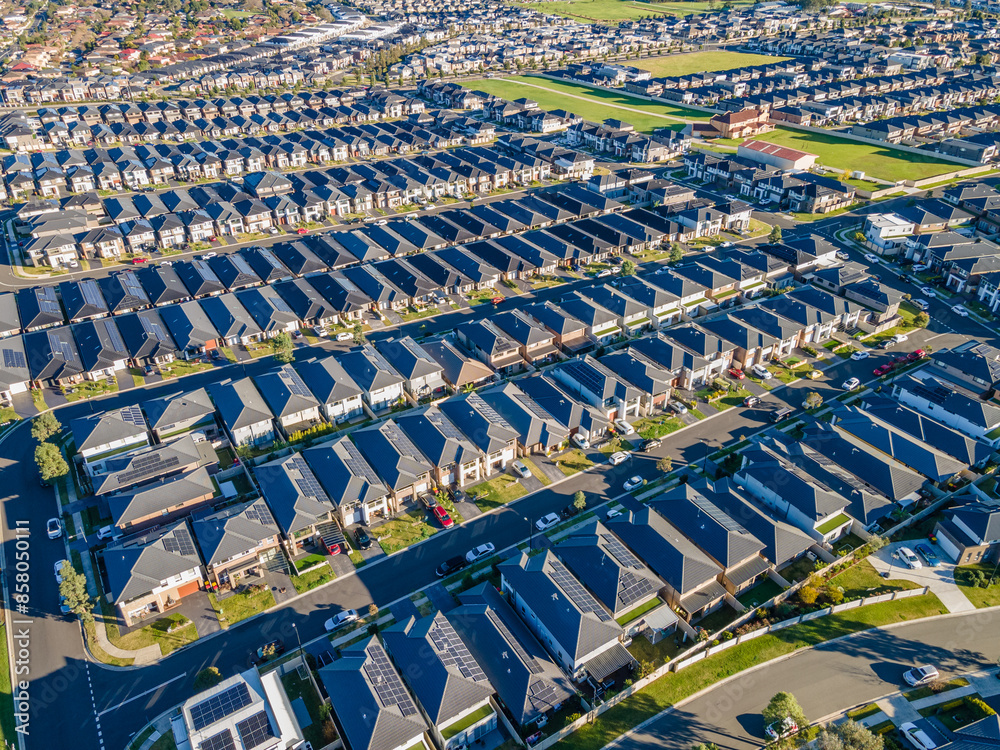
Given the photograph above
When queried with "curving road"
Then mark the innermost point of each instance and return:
(826, 679)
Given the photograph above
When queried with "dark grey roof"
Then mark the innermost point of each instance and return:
(327, 379)
(534, 425)
(234, 530)
(170, 410)
(100, 429)
(189, 325)
(239, 403)
(950, 398)
(293, 493)
(408, 358)
(153, 499)
(956, 444)
(438, 666)
(481, 423)
(369, 369)
(344, 473)
(981, 516)
(392, 454)
(148, 464)
(284, 391)
(229, 317)
(440, 440)
(13, 362)
(140, 564)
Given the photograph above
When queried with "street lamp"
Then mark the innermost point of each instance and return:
(888, 573)
(531, 531)
(704, 461)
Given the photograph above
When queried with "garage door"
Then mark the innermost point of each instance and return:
(949, 549)
(188, 588)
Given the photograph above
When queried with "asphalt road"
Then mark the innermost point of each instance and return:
(826, 679)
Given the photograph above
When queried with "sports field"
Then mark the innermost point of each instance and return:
(876, 161)
(700, 62)
(595, 105)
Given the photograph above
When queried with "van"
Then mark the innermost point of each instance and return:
(781, 414)
(108, 532)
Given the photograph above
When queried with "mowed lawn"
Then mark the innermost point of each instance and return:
(619, 10)
(699, 62)
(595, 105)
(876, 161)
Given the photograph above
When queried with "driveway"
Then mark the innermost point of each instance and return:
(197, 608)
(940, 580)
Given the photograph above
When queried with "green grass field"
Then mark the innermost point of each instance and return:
(619, 10)
(876, 161)
(699, 62)
(595, 105)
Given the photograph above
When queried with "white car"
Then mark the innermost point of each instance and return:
(959, 310)
(921, 304)
(761, 372)
(344, 336)
(54, 528)
(625, 427)
(678, 407)
(899, 338)
(928, 291)
(920, 267)
(860, 355)
(909, 558)
(613, 513)
(780, 729)
(632, 483)
(921, 675)
(478, 553)
(843, 255)
(580, 441)
(521, 469)
(618, 458)
(871, 258)
(340, 619)
(850, 384)
(59, 567)
(604, 274)
(916, 736)
(547, 521)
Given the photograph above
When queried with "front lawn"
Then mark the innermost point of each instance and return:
(169, 633)
(496, 492)
(926, 691)
(90, 389)
(180, 367)
(863, 580)
(238, 607)
(572, 462)
(309, 561)
(312, 579)
(403, 530)
(676, 686)
(968, 579)
(656, 427)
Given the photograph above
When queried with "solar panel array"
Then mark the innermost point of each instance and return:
(307, 483)
(488, 411)
(403, 445)
(278, 303)
(255, 730)
(205, 271)
(219, 706)
(710, 509)
(294, 383)
(179, 541)
(632, 588)
(529, 661)
(259, 512)
(531, 405)
(386, 681)
(63, 348)
(221, 741)
(618, 550)
(585, 376)
(541, 693)
(112, 335)
(146, 466)
(356, 463)
(47, 301)
(92, 294)
(131, 286)
(14, 358)
(133, 415)
(445, 426)
(152, 328)
(453, 652)
(241, 264)
(575, 591)
(269, 257)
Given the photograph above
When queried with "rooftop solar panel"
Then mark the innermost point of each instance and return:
(575, 591)
(386, 681)
(255, 730)
(221, 741)
(529, 661)
(112, 335)
(453, 651)
(14, 358)
(220, 705)
(92, 294)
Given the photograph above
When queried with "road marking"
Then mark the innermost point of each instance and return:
(140, 695)
(93, 703)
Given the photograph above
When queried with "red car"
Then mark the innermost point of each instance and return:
(333, 549)
(900, 359)
(496, 300)
(918, 354)
(442, 515)
(137, 261)
(302, 231)
(737, 373)
(883, 370)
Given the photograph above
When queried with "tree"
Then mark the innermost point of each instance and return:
(359, 334)
(74, 590)
(859, 237)
(813, 400)
(775, 235)
(784, 706)
(373, 610)
(44, 426)
(628, 268)
(579, 500)
(921, 319)
(206, 678)
(281, 345)
(50, 462)
(848, 736)
(665, 464)
(676, 252)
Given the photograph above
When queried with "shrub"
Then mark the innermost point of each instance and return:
(572, 717)
(808, 595)
(979, 708)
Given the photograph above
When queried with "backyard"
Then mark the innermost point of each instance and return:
(322, 730)
(863, 580)
(496, 492)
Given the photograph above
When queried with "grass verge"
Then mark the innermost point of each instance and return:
(238, 607)
(497, 492)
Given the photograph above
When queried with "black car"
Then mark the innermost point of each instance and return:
(428, 500)
(569, 511)
(268, 651)
(361, 538)
(651, 444)
(451, 565)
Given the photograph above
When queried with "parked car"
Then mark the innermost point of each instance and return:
(54, 528)
(814, 374)
(604, 274)
(361, 538)
(451, 565)
(613, 513)
(63, 606)
(850, 384)
(871, 258)
(960, 311)
(921, 675)
(930, 557)
(345, 336)
(340, 619)
(929, 291)
(58, 569)
(920, 267)
(751, 401)
(882, 370)
(909, 558)
(442, 516)
(860, 355)
(677, 407)
(138, 261)
(915, 355)
(632, 482)
(547, 521)
(580, 441)
(737, 373)
(916, 736)
(761, 372)
(480, 552)
(521, 469)
(624, 427)
(301, 230)
(780, 415)
(843, 255)
(569, 511)
(106, 532)
(618, 458)
(899, 338)
(921, 304)
(651, 444)
(428, 500)
(269, 650)
(781, 729)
